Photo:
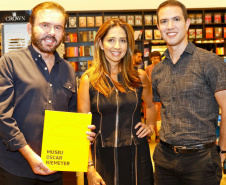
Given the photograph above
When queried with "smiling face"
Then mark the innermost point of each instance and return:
(173, 26)
(47, 31)
(114, 45)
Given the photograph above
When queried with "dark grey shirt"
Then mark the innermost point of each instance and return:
(27, 89)
(186, 90)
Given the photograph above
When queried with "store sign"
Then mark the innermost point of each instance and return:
(14, 16)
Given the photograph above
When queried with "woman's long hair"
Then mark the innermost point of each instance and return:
(99, 73)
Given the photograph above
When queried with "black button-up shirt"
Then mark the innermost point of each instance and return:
(27, 89)
(186, 90)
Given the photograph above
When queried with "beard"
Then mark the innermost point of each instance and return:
(45, 49)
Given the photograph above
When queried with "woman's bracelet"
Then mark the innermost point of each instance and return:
(90, 163)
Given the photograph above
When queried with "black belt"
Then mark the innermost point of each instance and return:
(187, 149)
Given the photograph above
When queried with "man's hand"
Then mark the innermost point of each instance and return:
(35, 161)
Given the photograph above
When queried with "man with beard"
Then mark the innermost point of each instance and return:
(33, 80)
(137, 58)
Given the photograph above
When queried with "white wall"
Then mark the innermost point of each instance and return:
(76, 5)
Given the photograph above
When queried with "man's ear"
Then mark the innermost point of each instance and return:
(29, 28)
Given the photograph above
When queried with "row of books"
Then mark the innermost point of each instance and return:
(216, 32)
(86, 36)
(82, 36)
(81, 65)
(149, 34)
(211, 32)
(96, 21)
(214, 18)
(79, 51)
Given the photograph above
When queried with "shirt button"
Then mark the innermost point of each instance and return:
(69, 87)
(50, 101)
(45, 68)
(173, 99)
(36, 59)
(50, 85)
(39, 55)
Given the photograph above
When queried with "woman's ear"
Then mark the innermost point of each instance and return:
(100, 44)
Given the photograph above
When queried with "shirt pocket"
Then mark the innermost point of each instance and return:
(69, 86)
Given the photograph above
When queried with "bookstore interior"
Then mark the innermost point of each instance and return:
(207, 30)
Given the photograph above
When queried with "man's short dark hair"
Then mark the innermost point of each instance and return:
(155, 54)
(173, 3)
(136, 51)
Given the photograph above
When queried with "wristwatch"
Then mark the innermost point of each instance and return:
(220, 151)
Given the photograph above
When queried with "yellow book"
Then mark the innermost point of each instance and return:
(65, 146)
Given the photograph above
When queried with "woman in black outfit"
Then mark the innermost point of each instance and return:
(112, 90)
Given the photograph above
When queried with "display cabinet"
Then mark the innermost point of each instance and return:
(207, 30)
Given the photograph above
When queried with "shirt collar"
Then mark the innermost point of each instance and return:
(189, 49)
(36, 55)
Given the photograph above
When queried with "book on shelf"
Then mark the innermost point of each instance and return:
(82, 21)
(89, 63)
(148, 19)
(138, 34)
(83, 65)
(192, 18)
(91, 50)
(86, 50)
(209, 32)
(148, 34)
(81, 51)
(198, 33)
(123, 17)
(224, 32)
(90, 21)
(157, 34)
(220, 50)
(138, 20)
(155, 20)
(75, 65)
(218, 32)
(191, 33)
(73, 37)
(84, 36)
(198, 18)
(217, 18)
(98, 21)
(90, 36)
(72, 22)
(208, 18)
(71, 52)
(146, 52)
(130, 19)
(67, 37)
(106, 18)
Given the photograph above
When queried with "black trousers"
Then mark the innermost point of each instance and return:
(198, 168)
(7, 178)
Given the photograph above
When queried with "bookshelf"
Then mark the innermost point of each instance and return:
(207, 30)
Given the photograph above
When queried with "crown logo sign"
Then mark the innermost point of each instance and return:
(14, 14)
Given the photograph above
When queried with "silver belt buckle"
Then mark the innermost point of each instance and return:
(176, 148)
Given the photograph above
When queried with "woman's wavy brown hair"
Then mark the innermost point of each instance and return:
(99, 73)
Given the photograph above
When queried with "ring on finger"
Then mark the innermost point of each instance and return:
(145, 130)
